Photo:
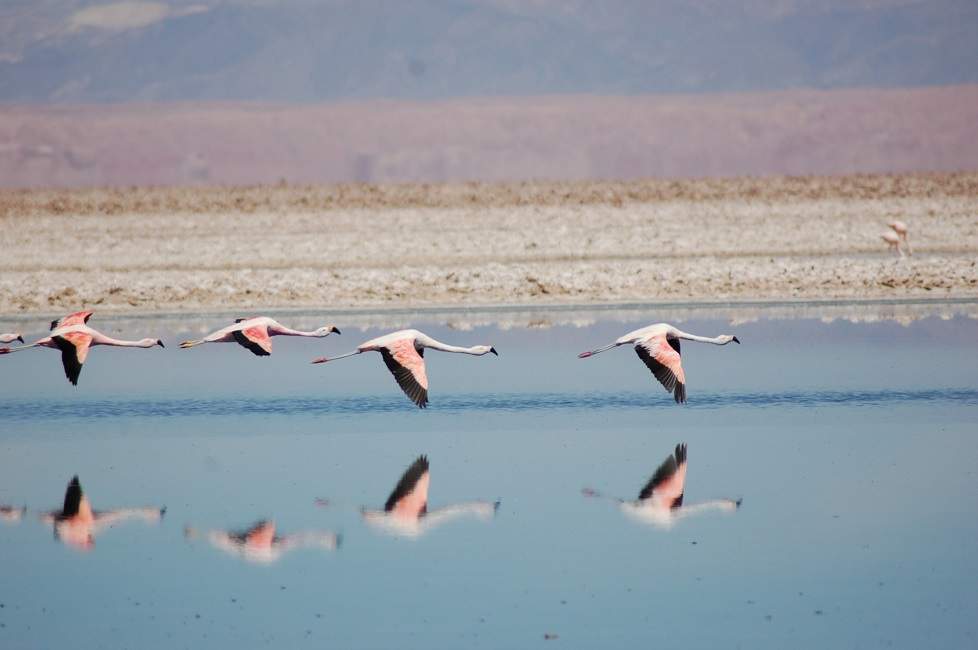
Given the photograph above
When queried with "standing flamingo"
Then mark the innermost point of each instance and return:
(406, 510)
(900, 228)
(74, 337)
(76, 524)
(403, 353)
(255, 334)
(893, 241)
(660, 502)
(658, 347)
(259, 543)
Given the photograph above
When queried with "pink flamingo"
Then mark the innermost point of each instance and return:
(74, 337)
(11, 337)
(900, 228)
(406, 510)
(893, 241)
(76, 524)
(255, 334)
(403, 353)
(658, 347)
(660, 502)
(259, 543)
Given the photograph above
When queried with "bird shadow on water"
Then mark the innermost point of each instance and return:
(499, 402)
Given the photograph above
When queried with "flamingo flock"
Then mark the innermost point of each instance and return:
(403, 351)
(897, 237)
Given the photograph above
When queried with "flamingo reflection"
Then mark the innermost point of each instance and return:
(12, 514)
(260, 544)
(660, 502)
(406, 510)
(77, 524)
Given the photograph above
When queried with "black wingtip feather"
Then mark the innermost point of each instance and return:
(73, 496)
(407, 482)
(245, 342)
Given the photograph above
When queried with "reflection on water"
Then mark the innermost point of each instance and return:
(406, 511)
(76, 524)
(661, 500)
(12, 514)
(261, 544)
(816, 414)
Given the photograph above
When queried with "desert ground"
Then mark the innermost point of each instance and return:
(287, 246)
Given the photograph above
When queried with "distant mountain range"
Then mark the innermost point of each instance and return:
(560, 137)
(71, 51)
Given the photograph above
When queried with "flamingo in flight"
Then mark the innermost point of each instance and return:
(406, 510)
(658, 347)
(901, 230)
(403, 352)
(660, 502)
(76, 524)
(256, 334)
(260, 544)
(74, 338)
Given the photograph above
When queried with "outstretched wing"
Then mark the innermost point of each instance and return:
(668, 482)
(410, 496)
(255, 339)
(407, 365)
(661, 355)
(77, 318)
(74, 350)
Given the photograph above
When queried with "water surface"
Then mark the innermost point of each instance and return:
(852, 445)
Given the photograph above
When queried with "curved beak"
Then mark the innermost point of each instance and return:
(493, 350)
(335, 330)
(159, 342)
(736, 340)
(20, 338)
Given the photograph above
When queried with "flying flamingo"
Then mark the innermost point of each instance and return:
(406, 511)
(658, 347)
(255, 334)
(403, 353)
(660, 502)
(76, 524)
(893, 241)
(74, 337)
(900, 228)
(260, 544)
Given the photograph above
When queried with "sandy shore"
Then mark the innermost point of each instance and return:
(533, 243)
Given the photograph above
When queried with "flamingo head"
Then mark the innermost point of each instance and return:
(727, 338)
(326, 330)
(484, 349)
(159, 342)
(148, 343)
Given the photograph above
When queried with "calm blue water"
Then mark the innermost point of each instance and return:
(853, 446)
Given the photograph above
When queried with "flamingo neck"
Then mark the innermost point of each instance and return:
(444, 347)
(107, 340)
(281, 330)
(702, 339)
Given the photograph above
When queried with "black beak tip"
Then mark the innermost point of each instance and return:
(20, 338)
(159, 342)
(336, 330)
(493, 350)
(736, 340)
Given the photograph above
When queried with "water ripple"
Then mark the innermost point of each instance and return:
(517, 402)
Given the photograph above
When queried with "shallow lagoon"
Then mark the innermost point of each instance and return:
(853, 446)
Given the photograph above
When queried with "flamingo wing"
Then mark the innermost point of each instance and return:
(73, 497)
(255, 339)
(406, 363)
(661, 355)
(410, 496)
(77, 318)
(668, 482)
(74, 350)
